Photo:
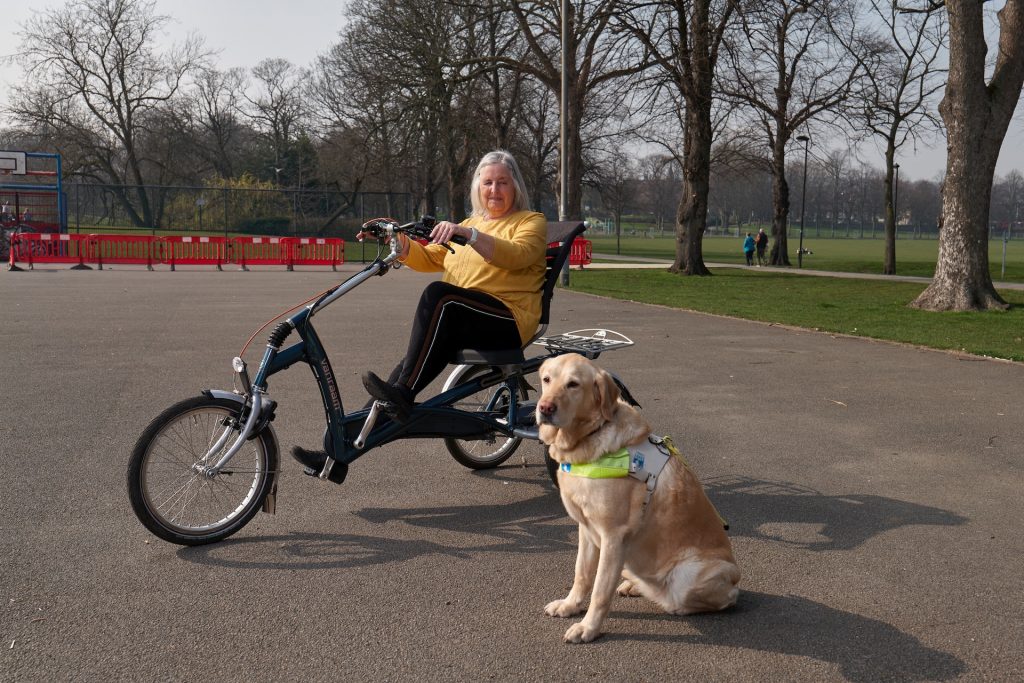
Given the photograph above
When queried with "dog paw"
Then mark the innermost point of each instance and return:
(580, 633)
(562, 608)
(628, 589)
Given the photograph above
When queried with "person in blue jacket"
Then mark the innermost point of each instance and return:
(748, 249)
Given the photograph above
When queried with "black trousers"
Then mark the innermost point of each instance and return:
(448, 320)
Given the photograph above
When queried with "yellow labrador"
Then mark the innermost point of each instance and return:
(662, 536)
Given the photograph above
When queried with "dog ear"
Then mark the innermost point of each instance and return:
(607, 394)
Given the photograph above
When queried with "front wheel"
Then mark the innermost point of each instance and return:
(495, 448)
(169, 487)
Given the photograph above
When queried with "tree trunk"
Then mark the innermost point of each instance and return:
(780, 207)
(691, 216)
(976, 115)
(889, 265)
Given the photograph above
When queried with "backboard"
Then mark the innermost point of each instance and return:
(12, 163)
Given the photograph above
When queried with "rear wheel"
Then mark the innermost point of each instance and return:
(495, 448)
(169, 486)
(552, 466)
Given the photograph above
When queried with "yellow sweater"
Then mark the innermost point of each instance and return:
(514, 275)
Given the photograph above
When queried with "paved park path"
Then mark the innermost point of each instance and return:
(873, 492)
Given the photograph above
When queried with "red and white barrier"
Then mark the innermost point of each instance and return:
(80, 250)
(31, 248)
(195, 251)
(581, 253)
(261, 251)
(318, 251)
(123, 249)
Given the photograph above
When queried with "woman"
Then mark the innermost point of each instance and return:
(489, 296)
(748, 249)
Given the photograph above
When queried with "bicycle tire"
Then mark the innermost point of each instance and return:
(174, 498)
(494, 449)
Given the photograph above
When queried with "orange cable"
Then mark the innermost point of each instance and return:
(279, 315)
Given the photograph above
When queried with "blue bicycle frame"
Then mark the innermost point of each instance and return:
(350, 435)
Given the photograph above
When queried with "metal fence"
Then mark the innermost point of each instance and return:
(280, 212)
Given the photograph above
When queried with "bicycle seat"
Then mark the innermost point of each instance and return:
(565, 233)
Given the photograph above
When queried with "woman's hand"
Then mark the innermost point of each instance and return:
(403, 242)
(445, 231)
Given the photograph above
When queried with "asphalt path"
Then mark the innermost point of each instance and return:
(873, 492)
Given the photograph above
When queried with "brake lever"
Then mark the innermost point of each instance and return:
(458, 239)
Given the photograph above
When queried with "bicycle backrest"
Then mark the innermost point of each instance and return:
(565, 233)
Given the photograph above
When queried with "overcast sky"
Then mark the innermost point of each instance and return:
(247, 31)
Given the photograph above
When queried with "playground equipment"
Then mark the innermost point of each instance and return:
(31, 193)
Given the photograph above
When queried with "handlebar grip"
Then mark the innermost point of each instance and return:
(459, 239)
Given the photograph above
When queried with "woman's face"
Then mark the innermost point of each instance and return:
(497, 193)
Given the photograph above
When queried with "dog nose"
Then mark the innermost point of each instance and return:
(546, 408)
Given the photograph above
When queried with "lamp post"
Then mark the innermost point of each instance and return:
(806, 139)
(896, 202)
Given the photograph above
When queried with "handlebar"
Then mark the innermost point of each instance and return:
(383, 228)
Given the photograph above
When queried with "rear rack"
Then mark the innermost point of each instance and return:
(589, 343)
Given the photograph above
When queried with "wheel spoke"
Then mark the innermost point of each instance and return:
(174, 486)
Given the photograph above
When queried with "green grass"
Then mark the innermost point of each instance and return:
(866, 308)
(913, 257)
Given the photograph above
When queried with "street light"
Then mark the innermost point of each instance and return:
(806, 139)
(895, 202)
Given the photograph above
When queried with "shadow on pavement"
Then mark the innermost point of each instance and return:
(790, 514)
(537, 525)
(801, 517)
(866, 650)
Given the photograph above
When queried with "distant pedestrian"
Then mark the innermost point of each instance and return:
(761, 241)
(748, 249)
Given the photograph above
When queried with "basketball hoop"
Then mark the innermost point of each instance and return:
(12, 163)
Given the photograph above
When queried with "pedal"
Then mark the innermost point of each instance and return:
(333, 471)
(371, 420)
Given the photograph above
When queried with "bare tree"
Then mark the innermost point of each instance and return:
(616, 182)
(897, 105)
(537, 148)
(1008, 200)
(421, 58)
(211, 112)
(683, 38)
(977, 113)
(785, 68)
(598, 58)
(276, 109)
(363, 141)
(95, 82)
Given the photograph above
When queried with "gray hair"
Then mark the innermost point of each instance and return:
(521, 201)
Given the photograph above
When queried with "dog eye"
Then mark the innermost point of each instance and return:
(545, 380)
(572, 384)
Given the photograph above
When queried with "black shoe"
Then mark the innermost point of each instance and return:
(312, 460)
(397, 403)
